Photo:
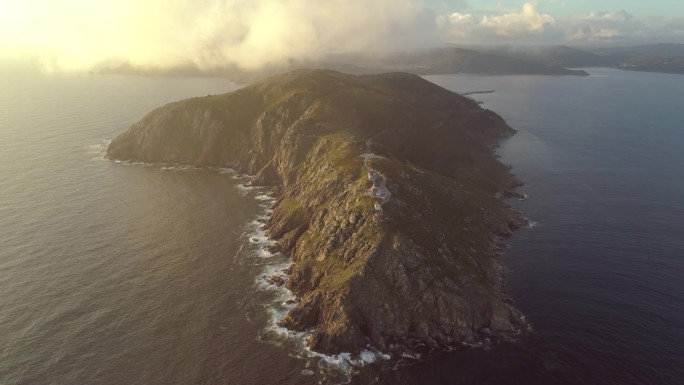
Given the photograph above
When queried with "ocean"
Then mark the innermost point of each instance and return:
(115, 273)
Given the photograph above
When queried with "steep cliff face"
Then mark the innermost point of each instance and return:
(420, 272)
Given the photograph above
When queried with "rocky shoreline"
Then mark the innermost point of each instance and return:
(422, 274)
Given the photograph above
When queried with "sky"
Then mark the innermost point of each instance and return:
(81, 35)
(572, 8)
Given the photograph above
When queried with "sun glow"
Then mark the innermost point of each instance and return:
(78, 35)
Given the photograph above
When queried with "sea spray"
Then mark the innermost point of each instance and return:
(337, 367)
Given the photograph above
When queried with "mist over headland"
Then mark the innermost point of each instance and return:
(80, 36)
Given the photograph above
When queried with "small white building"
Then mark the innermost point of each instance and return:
(372, 175)
(378, 207)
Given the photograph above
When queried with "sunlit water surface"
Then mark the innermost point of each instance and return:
(134, 274)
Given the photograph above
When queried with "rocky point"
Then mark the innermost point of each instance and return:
(421, 272)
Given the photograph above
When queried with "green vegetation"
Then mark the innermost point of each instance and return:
(414, 271)
(289, 207)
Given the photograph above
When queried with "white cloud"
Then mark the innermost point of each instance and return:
(512, 25)
(619, 16)
(676, 26)
(472, 27)
(604, 27)
(531, 25)
(77, 34)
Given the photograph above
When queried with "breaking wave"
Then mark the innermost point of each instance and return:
(337, 368)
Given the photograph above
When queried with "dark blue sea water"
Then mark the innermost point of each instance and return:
(134, 274)
(601, 273)
(123, 274)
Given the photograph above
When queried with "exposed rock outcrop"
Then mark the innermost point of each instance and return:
(421, 273)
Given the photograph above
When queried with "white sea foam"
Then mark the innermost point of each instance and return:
(268, 211)
(98, 150)
(94, 148)
(368, 357)
(265, 197)
(180, 167)
(283, 301)
(227, 171)
(246, 188)
(256, 233)
(413, 356)
(343, 363)
(277, 269)
(264, 253)
(138, 164)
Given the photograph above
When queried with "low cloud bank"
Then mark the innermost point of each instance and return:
(78, 35)
(81, 35)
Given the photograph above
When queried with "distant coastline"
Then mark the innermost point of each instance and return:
(542, 61)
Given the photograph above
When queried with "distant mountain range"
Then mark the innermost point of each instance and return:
(546, 60)
(668, 58)
(469, 61)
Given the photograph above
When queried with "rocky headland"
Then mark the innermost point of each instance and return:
(421, 270)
